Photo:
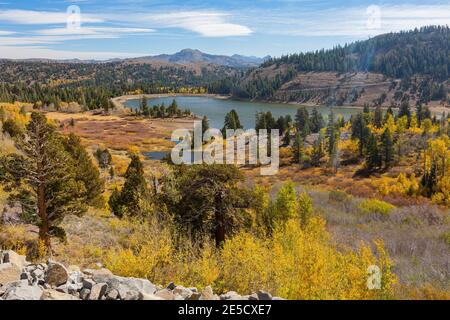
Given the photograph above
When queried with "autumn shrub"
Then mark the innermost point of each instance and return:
(368, 206)
(338, 196)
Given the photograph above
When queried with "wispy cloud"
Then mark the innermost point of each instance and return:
(208, 24)
(29, 17)
(92, 31)
(353, 21)
(46, 53)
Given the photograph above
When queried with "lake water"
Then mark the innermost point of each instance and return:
(216, 109)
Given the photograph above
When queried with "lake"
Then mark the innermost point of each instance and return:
(216, 109)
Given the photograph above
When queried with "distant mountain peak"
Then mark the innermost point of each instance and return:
(189, 55)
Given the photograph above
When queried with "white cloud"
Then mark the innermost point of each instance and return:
(29, 17)
(5, 33)
(208, 24)
(46, 53)
(93, 31)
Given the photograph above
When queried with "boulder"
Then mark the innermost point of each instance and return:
(150, 297)
(208, 294)
(97, 272)
(88, 283)
(51, 294)
(84, 294)
(56, 274)
(128, 288)
(165, 294)
(111, 294)
(232, 295)
(9, 272)
(183, 292)
(21, 290)
(98, 291)
(263, 295)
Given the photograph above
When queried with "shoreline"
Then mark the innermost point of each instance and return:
(119, 101)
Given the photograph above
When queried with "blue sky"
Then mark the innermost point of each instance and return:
(129, 28)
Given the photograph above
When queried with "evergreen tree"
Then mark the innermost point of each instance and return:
(42, 179)
(302, 122)
(317, 121)
(387, 148)
(318, 151)
(231, 122)
(373, 159)
(360, 131)
(85, 171)
(298, 149)
(134, 198)
(378, 117)
(205, 124)
(405, 110)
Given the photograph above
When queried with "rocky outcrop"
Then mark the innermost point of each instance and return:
(20, 280)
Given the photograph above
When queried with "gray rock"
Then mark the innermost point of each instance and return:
(97, 272)
(183, 292)
(195, 296)
(253, 297)
(51, 294)
(56, 274)
(208, 294)
(38, 273)
(150, 297)
(263, 295)
(84, 294)
(9, 272)
(98, 291)
(278, 298)
(88, 283)
(232, 295)
(112, 294)
(128, 288)
(20, 290)
(165, 294)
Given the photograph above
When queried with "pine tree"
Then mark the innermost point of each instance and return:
(134, 198)
(373, 159)
(85, 171)
(360, 131)
(42, 179)
(405, 110)
(387, 148)
(378, 117)
(205, 124)
(298, 149)
(317, 121)
(231, 122)
(318, 151)
(302, 122)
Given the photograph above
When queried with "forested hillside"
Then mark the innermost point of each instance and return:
(92, 84)
(419, 58)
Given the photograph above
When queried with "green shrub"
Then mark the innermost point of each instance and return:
(375, 206)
